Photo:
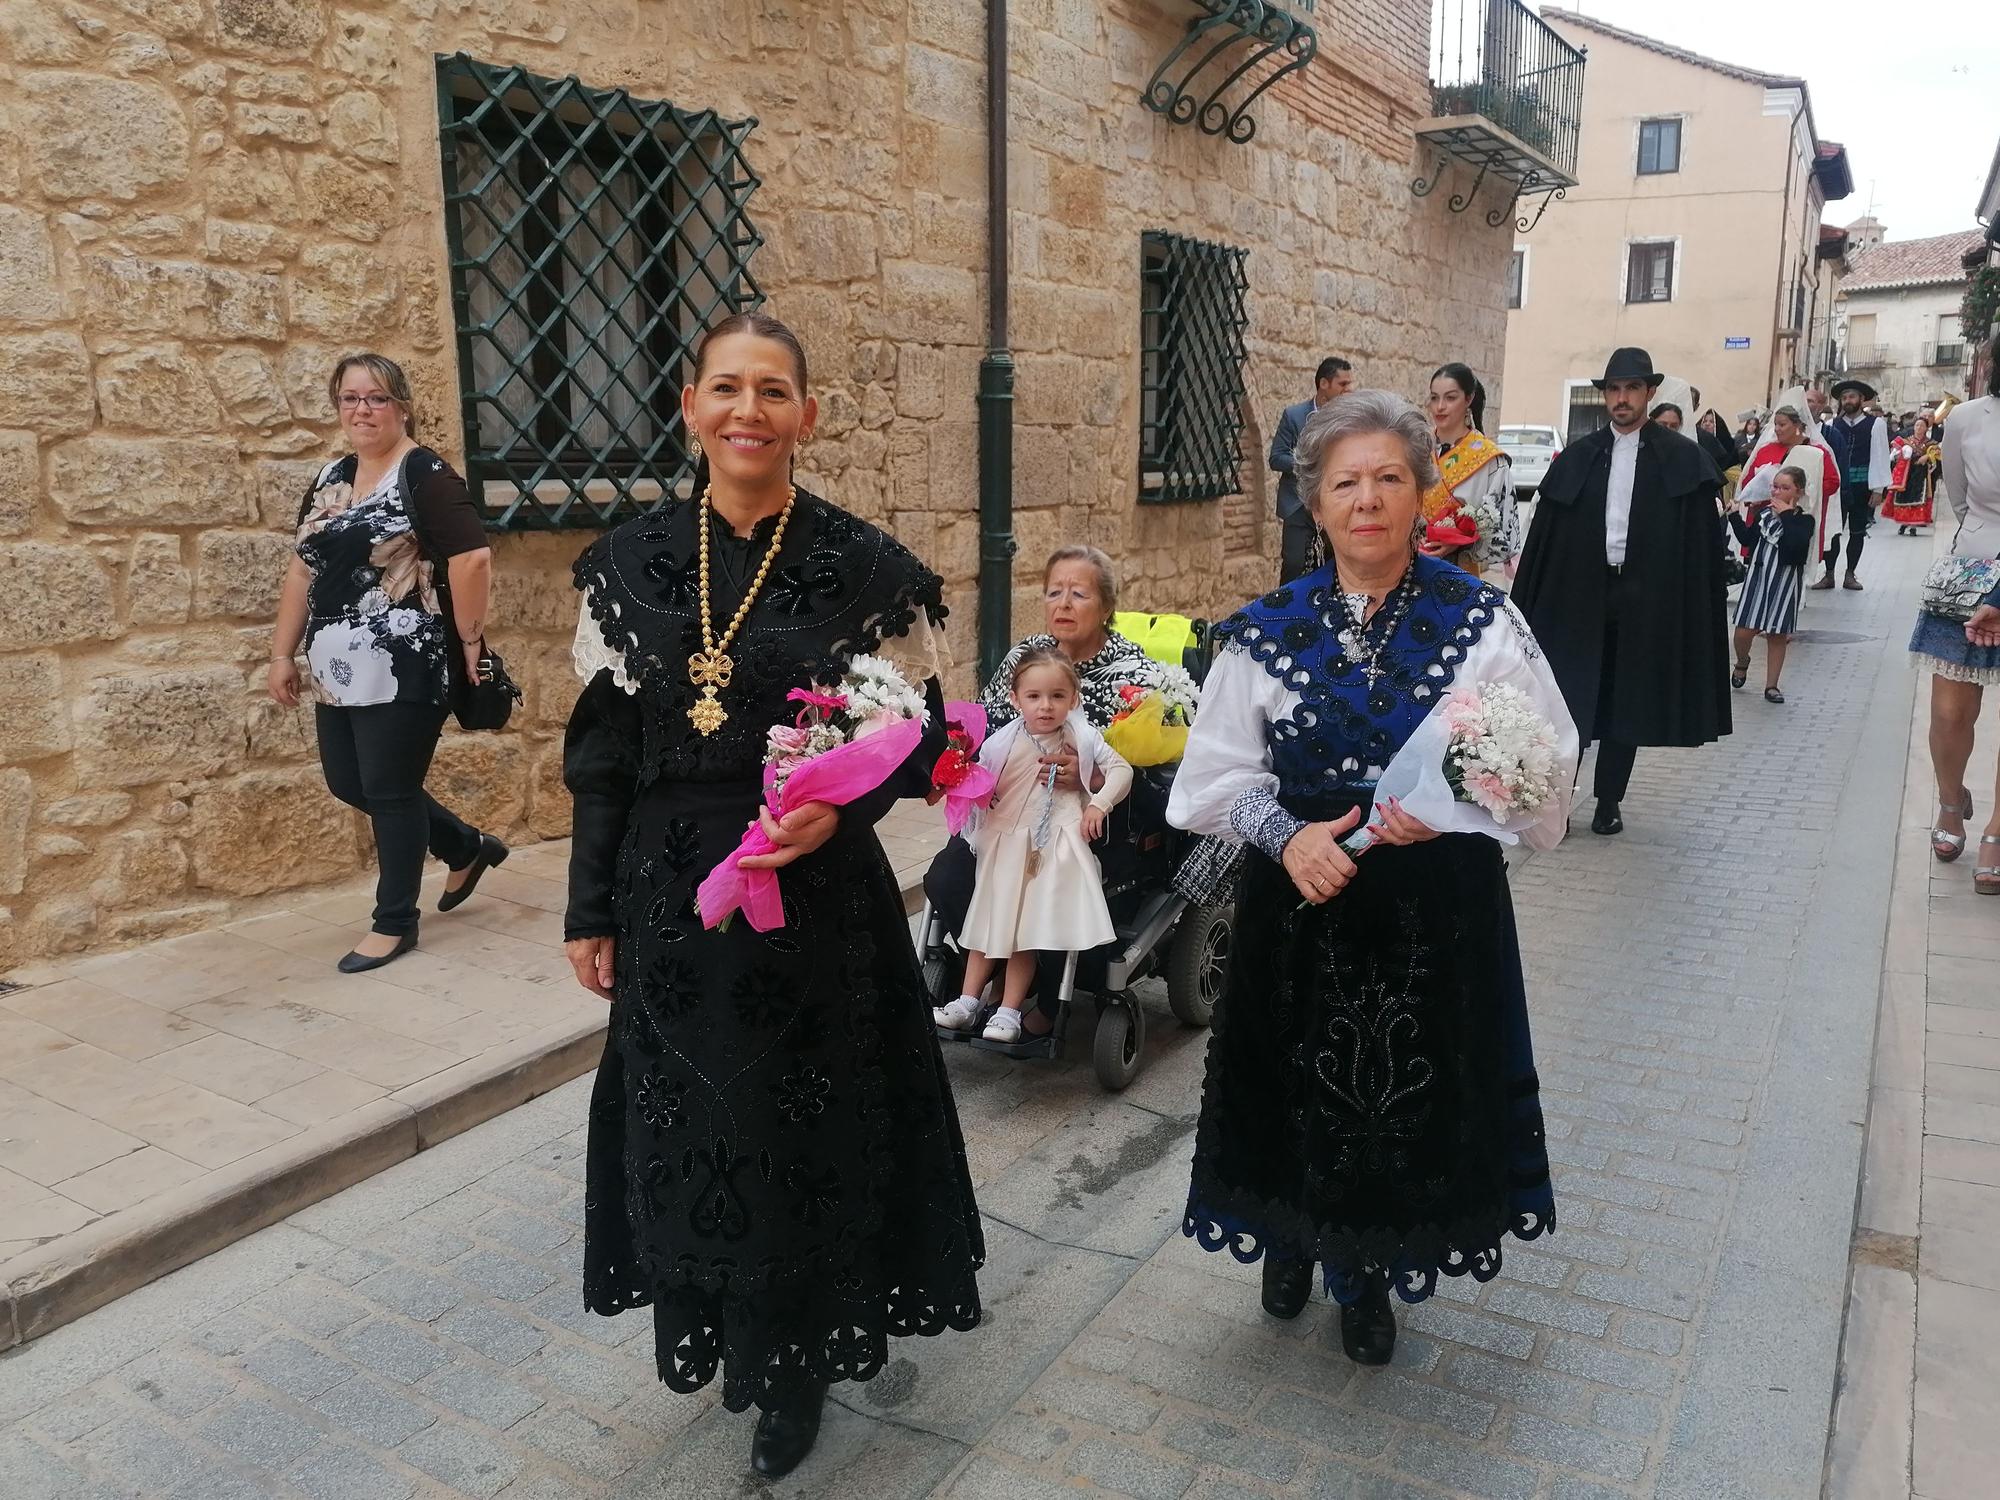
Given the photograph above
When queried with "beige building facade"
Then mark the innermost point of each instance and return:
(1899, 318)
(1695, 233)
(204, 202)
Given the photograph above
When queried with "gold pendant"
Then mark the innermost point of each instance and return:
(706, 714)
(710, 669)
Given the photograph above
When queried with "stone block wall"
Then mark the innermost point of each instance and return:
(204, 202)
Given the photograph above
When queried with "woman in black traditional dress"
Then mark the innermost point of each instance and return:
(1371, 1102)
(775, 1163)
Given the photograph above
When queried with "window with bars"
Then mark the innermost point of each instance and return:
(1649, 272)
(592, 237)
(1517, 275)
(1192, 358)
(1659, 147)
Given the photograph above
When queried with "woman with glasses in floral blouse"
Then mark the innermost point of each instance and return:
(391, 577)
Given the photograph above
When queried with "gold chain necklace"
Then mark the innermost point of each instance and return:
(709, 668)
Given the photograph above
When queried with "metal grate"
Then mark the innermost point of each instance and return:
(1192, 322)
(592, 236)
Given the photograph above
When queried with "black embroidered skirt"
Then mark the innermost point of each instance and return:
(1371, 1101)
(775, 1164)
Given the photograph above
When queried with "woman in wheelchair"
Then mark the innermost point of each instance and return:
(1079, 598)
(1039, 887)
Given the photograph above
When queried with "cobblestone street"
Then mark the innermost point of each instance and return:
(1704, 997)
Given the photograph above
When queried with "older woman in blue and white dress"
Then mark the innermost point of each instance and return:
(1371, 1103)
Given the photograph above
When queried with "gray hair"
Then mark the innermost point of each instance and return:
(1358, 414)
(1098, 562)
(1792, 412)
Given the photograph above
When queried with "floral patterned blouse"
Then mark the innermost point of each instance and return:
(1119, 662)
(376, 617)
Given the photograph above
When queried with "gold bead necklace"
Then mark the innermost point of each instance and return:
(709, 668)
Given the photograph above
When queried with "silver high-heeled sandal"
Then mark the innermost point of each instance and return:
(1946, 847)
(1986, 878)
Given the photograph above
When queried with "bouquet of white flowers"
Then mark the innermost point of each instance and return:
(1483, 761)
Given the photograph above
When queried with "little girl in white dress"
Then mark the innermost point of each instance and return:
(1039, 889)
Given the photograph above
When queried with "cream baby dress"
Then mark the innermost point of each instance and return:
(1060, 907)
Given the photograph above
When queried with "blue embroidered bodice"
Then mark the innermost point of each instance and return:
(1343, 732)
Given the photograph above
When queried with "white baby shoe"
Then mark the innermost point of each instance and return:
(957, 1016)
(1004, 1027)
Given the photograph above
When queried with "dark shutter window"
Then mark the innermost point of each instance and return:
(1517, 269)
(592, 237)
(1649, 273)
(1192, 321)
(1659, 147)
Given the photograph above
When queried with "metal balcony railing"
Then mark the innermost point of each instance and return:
(1944, 356)
(1498, 60)
(1868, 356)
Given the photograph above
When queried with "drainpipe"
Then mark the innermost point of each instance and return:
(996, 375)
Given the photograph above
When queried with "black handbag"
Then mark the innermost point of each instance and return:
(485, 703)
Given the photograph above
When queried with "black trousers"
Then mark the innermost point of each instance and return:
(1614, 756)
(375, 758)
(1856, 515)
(1296, 558)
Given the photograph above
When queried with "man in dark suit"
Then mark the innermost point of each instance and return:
(1335, 378)
(1621, 581)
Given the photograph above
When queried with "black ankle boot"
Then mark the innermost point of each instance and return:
(1368, 1328)
(1287, 1285)
(785, 1434)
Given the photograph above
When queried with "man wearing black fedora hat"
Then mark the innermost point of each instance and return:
(1860, 443)
(1621, 582)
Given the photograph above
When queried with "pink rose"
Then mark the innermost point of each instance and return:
(787, 740)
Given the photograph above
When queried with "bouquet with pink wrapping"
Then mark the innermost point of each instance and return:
(843, 745)
(959, 779)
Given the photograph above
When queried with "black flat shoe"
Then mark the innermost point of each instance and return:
(1606, 819)
(1368, 1328)
(785, 1436)
(491, 852)
(361, 963)
(1287, 1286)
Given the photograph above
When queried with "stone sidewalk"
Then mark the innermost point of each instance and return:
(1704, 997)
(1919, 1367)
(157, 1103)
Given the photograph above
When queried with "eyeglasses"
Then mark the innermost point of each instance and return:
(374, 400)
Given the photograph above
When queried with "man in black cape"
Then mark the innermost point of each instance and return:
(1621, 581)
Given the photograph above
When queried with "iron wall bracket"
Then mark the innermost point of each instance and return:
(1248, 43)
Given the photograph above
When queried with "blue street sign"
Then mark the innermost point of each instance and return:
(1736, 343)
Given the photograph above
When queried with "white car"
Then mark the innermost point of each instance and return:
(1532, 450)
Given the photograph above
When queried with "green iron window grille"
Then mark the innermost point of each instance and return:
(592, 236)
(1192, 322)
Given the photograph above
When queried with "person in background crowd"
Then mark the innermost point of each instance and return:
(1914, 462)
(1781, 539)
(1816, 406)
(1793, 441)
(1712, 433)
(1751, 438)
(1371, 1110)
(1860, 443)
(391, 577)
(1668, 416)
(1622, 583)
(1334, 379)
(1965, 662)
(775, 1166)
(1473, 471)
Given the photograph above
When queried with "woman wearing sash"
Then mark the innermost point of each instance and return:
(1474, 473)
(1914, 463)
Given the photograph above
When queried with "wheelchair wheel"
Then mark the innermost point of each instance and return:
(1198, 964)
(1120, 1044)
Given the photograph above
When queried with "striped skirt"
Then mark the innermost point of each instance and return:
(1770, 601)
